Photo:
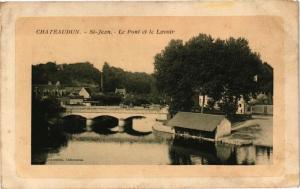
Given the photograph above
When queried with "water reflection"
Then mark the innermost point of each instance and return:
(190, 152)
(245, 155)
(68, 141)
(183, 152)
(73, 124)
(128, 128)
(264, 155)
(54, 142)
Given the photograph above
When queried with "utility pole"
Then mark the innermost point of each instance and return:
(202, 93)
(203, 102)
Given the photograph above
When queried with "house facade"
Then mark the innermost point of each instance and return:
(83, 92)
(243, 107)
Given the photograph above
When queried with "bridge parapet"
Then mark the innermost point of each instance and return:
(114, 109)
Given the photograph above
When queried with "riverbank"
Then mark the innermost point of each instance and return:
(258, 131)
(159, 127)
(153, 137)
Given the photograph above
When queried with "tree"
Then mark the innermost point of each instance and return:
(265, 79)
(221, 69)
(77, 74)
(44, 134)
(133, 82)
(172, 76)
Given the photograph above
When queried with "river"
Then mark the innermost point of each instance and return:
(151, 148)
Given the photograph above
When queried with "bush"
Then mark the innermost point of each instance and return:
(228, 108)
(108, 99)
(238, 118)
(135, 100)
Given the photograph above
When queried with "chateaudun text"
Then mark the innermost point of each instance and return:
(105, 32)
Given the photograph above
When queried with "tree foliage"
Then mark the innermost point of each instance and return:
(77, 74)
(139, 84)
(222, 69)
(133, 82)
(44, 134)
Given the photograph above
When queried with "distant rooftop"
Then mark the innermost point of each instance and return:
(121, 90)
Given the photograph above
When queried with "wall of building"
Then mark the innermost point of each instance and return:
(262, 109)
(76, 101)
(83, 92)
(206, 99)
(192, 132)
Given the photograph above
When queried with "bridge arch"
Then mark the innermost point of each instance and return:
(136, 117)
(74, 123)
(105, 115)
(73, 116)
(106, 120)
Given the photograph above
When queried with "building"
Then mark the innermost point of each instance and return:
(243, 107)
(205, 126)
(71, 100)
(120, 91)
(65, 94)
(76, 100)
(46, 91)
(85, 93)
(64, 100)
(204, 100)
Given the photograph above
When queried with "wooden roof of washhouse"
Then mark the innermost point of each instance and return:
(196, 121)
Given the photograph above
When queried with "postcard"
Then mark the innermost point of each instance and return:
(149, 94)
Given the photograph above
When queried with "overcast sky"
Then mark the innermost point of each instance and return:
(135, 52)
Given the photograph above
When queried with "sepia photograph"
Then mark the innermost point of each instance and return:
(154, 94)
(141, 91)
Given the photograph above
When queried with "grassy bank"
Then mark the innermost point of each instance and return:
(153, 137)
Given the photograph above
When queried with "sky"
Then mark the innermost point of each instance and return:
(135, 51)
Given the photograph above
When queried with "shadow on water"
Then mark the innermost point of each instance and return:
(104, 124)
(182, 151)
(104, 131)
(187, 152)
(45, 141)
(128, 128)
(74, 124)
(46, 134)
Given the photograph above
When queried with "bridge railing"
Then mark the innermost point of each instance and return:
(115, 109)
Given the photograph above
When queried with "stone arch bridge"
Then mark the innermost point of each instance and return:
(150, 115)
